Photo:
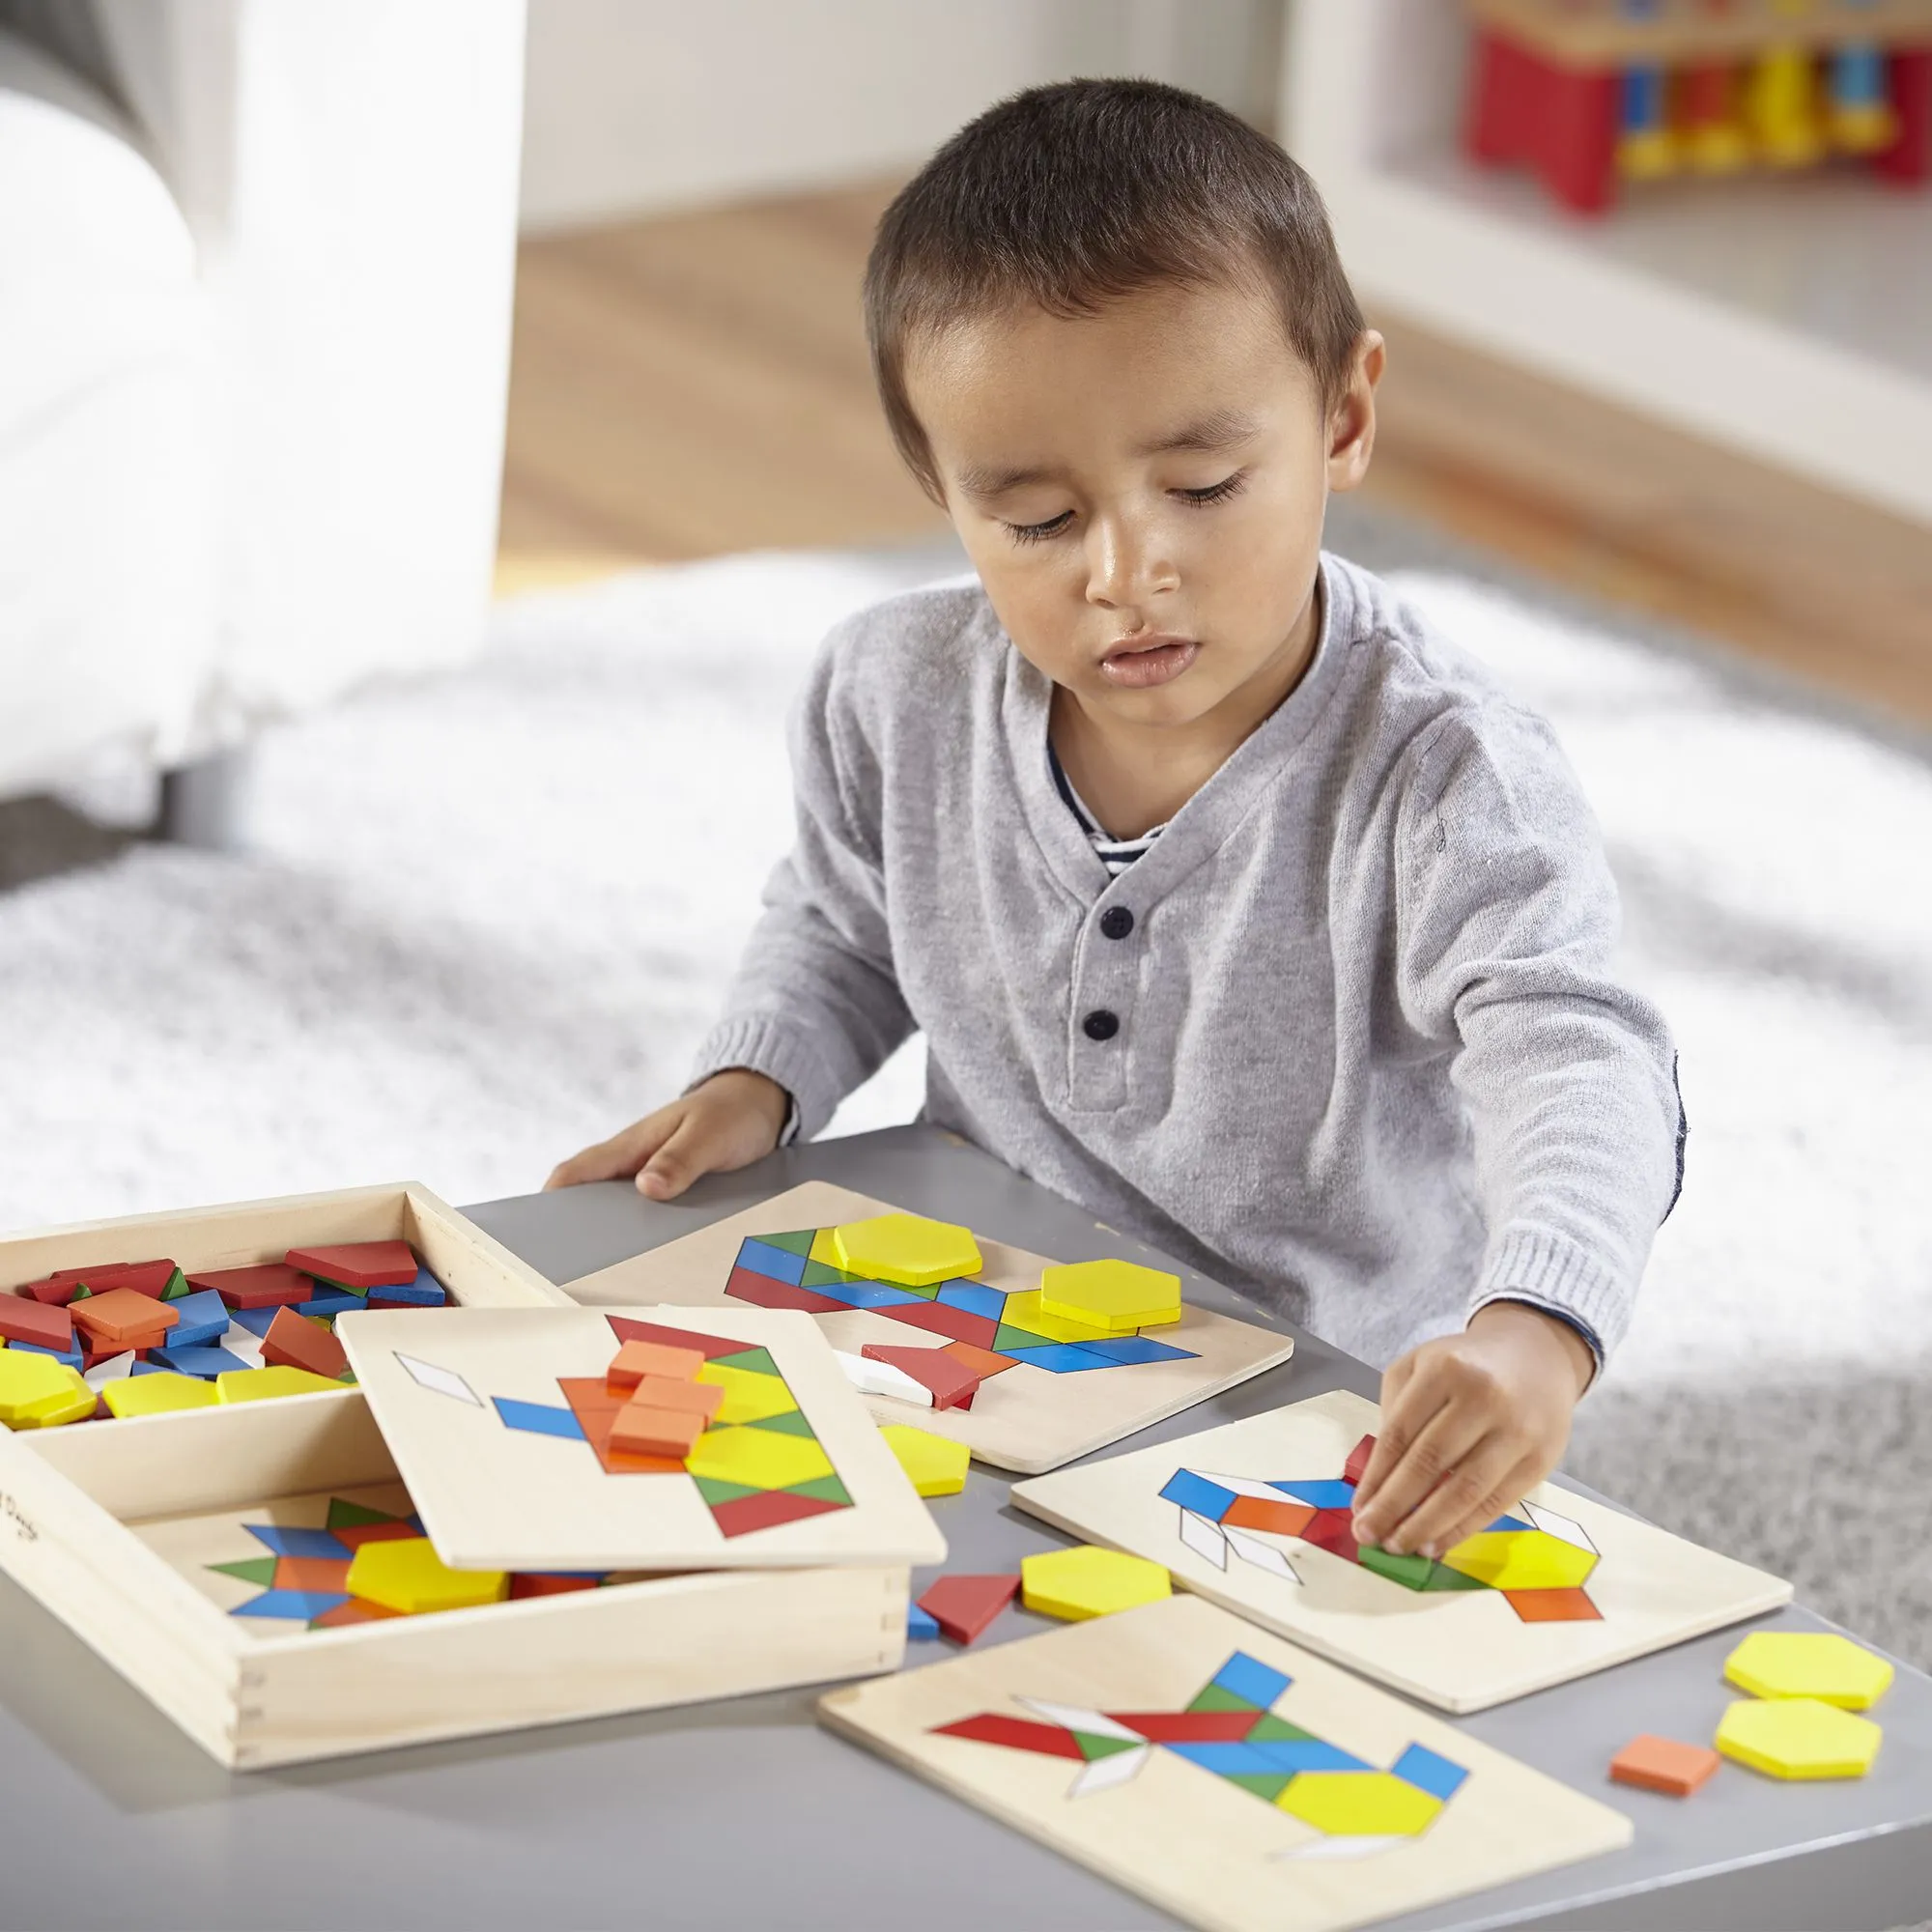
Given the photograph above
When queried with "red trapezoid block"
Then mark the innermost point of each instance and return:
(953, 1383)
(962, 1606)
(1357, 1466)
(358, 1263)
(39, 1323)
(273, 1285)
(295, 1342)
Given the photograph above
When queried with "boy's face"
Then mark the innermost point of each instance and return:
(1142, 490)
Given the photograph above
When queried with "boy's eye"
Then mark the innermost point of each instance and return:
(1214, 493)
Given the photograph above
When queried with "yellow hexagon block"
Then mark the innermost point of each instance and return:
(1118, 1297)
(71, 1402)
(158, 1395)
(936, 1465)
(1090, 1582)
(749, 1396)
(1521, 1559)
(30, 1381)
(905, 1248)
(260, 1384)
(1359, 1803)
(760, 1459)
(1798, 1738)
(1809, 1664)
(409, 1577)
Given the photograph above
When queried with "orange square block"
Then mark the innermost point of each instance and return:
(636, 1360)
(1663, 1764)
(639, 1431)
(122, 1318)
(701, 1398)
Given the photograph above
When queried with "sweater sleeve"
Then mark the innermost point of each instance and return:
(1507, 920)
(815, 1004)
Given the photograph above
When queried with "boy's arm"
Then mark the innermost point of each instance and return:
(1506, 921)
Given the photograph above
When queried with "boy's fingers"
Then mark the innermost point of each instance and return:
(1470, 1499)
(614, 1159)
(689, 1153)
(1395, 1431)
(1437, 1449)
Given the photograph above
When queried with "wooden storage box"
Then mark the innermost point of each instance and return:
(79, 1505)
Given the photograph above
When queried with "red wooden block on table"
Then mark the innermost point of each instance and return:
(36, 1322)
(123, 1319)
(358, 1263)
(962, 1606)
(1357, 1465)
(953, 1383)
(1331, 1530)
(148, 1278)
(642, 1431)
(636, 1360)
(1663, 1764)
(295, 1342)
(699, 1399)
(57, 1293)
(547, 1583)
(272, 1285)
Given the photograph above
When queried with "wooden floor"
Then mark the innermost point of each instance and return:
(693, 384)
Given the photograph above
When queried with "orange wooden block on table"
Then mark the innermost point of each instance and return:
(639, 1431)
(1663, 1764)
(359, 1264)
(272, 1285)
(701, 1398)
(37, 1322)
(122, 1318)
(636, 1360)
(295, 1342)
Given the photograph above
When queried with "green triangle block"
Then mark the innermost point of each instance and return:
(1410, 1571)
(1442, 1578)
(822, 1488)
(80, 1294)
(1272, 1730)
(792, 1424)
(353, 1516)
(177, 1287)
(799, 1244)
(341, 1286)
(715, 1493)
(348, 1376)
(259, 1571)
(1268, 1784)
(1213, 1698)
(753, 1361)
(1094, 1745)
(819, 1275)
(1009, 1338)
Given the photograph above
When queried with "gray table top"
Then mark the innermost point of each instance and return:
(746, 1812)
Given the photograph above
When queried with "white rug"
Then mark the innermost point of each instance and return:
(484, 920)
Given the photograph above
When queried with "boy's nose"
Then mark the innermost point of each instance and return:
(1125, 565)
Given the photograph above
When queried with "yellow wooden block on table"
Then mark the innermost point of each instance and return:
(749, 1396)
(27, 1382)
(407, 1575)
(1118, 1297)
(259, 1384)
(1090, 1582)
(158, 1395)
(905, 1248)
(1359, 1803)
(1521, 1559)
(71, 1402)
(1798, 1738)
(760, 1459)
(1027, 1310)
(1809, 1664)
(936, 1465)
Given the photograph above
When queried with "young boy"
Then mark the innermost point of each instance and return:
(1233, 904)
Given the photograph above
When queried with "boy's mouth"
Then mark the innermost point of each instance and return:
(1143, 662)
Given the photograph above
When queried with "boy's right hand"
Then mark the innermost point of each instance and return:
(730, 1121)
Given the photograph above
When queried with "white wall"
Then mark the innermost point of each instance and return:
(633, 106)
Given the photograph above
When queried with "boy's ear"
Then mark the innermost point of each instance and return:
(1351, 426)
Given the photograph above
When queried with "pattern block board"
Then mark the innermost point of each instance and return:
(501, 1422)
(1053, 1390)
(1232, 1779)
(1459, 1641)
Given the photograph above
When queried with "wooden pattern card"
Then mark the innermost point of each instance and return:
(501, 1423)
(1255, 1515)
(1229, 1777)
(1051, 1391)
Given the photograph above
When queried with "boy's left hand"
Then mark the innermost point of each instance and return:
(1470, 1423)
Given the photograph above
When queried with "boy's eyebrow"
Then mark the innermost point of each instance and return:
(1219, 429)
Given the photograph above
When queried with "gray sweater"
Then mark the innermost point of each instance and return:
(1359, 1050)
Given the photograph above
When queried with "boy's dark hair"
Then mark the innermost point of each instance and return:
(1070, 196)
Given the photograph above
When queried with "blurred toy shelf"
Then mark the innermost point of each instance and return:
(1785, 313)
